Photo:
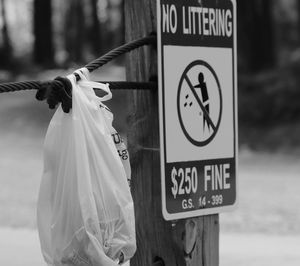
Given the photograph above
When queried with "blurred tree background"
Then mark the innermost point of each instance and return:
(268, 66)
(53, 33)
(36, 35)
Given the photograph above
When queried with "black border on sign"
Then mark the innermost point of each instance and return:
(205, 142)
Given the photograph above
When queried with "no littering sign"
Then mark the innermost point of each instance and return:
(198, 106)
(199, 119)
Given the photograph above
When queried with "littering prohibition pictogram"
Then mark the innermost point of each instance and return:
(199, 103)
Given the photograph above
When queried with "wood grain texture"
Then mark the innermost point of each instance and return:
(185, 242)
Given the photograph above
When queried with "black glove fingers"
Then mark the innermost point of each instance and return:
(65, 93)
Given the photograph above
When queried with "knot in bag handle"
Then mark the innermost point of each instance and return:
(84, 80)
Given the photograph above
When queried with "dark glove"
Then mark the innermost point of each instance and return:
(56, 92)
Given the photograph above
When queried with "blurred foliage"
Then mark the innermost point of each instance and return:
(56, 33)
(268, 73)
(270, 97)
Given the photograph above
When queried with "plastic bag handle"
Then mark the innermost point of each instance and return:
(84, 80)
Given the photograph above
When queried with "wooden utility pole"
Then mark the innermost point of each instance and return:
(184, 242)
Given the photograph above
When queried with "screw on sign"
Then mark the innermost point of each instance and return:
(199, 103)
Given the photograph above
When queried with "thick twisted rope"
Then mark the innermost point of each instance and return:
(36, 85)
(119, 51)
(18, 86)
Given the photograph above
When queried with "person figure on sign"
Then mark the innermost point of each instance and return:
(204, 96)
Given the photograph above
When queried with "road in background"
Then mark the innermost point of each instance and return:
(20, 247)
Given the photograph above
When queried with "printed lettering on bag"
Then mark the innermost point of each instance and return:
(117, 138)
(123, 154)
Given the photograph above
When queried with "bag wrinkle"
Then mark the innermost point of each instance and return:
(85, 209)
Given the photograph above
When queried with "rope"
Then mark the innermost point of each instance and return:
(36, 85)
(119, 51)
(125, 85)
(113, 85)
(18, 86)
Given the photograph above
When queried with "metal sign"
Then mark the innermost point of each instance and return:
(198, 106)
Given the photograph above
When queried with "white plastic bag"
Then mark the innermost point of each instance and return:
(85, 209)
